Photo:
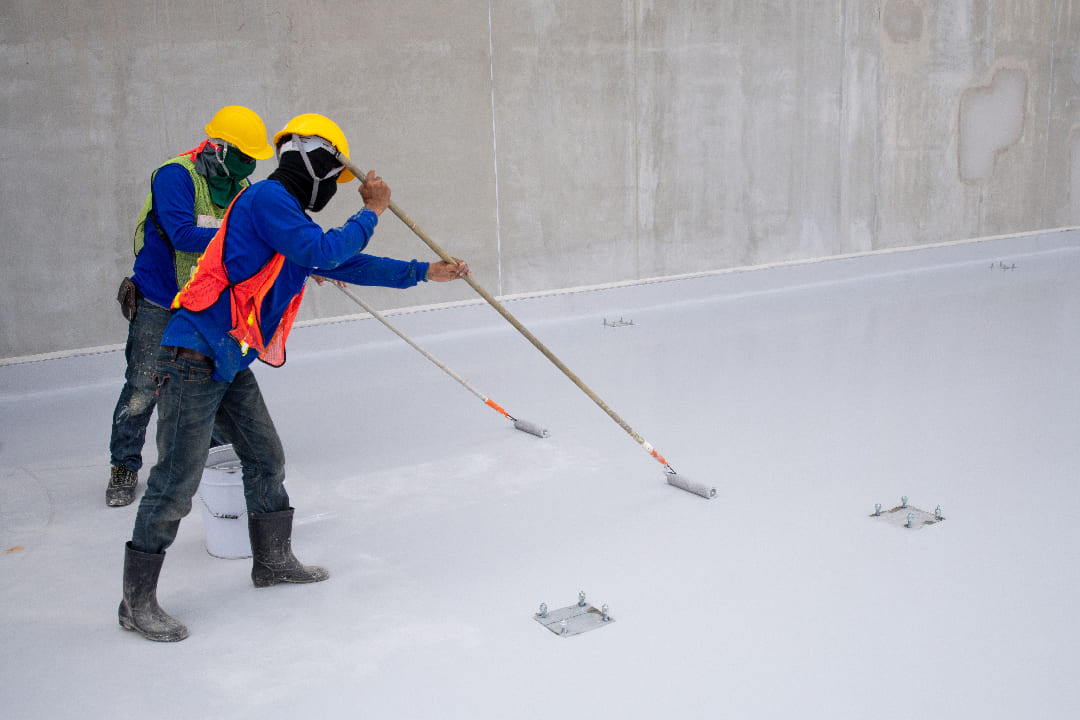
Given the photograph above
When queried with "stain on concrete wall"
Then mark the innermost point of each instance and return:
(903, 20)
(991, 121)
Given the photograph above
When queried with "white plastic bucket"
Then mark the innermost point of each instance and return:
(224, 508)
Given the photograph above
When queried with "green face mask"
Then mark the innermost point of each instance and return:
(225, 182)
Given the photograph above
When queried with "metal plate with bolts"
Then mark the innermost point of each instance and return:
(618, 323)
(907, 517)
(574, 619)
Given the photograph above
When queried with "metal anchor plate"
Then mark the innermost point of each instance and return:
(578, 619)
(898, 517)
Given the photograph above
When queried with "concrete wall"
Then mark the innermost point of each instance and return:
(551, 143)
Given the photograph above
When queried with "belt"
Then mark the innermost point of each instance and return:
(189, 354)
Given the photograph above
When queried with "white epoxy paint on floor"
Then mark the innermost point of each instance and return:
(806, 394)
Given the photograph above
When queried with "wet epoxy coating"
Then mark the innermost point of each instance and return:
(805, 394)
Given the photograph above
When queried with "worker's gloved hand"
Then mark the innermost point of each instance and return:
(375, 192)
(443, 271)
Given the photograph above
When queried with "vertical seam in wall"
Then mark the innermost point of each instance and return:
(875, 230)
(269, 39)
(841, 225)
(1049, 105)
(495, 156)
(635, 147)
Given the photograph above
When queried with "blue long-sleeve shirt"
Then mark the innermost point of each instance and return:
(266, 220)
(173, 203)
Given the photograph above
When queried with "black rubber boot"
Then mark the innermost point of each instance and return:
(139, 610)
(121, 488)
(272, 560)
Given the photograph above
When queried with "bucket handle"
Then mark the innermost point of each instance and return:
(223, 516)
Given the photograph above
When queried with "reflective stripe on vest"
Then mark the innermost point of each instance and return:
(246, 297)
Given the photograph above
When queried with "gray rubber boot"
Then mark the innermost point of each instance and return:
(139, 610)
(272, 560)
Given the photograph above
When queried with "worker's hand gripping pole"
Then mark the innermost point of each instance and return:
(672, 477)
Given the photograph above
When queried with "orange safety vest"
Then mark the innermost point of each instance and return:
(210, 279)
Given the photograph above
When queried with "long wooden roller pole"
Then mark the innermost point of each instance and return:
(673, 477)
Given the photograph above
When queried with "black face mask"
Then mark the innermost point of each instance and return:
(326, 190)
(293, 173)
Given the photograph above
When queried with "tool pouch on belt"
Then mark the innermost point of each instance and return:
(128, 297)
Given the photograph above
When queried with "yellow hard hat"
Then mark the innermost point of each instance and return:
(243, 128)
(310, 124)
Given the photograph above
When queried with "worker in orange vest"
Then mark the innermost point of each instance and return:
(238, 306)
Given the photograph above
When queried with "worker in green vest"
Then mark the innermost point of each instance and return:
(188, 198)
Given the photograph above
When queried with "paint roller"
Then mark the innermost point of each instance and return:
(673, 478)
(523, 425)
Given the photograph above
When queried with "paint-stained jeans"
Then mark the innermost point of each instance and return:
(189, 401)
(137, 399)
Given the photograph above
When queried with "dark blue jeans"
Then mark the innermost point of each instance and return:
(189, 403)
(137, 399)
(140, 392)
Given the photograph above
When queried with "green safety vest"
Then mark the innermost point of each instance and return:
(184, 262)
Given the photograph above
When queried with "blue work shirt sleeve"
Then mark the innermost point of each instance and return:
(174, 202)
(285, 227)
(363, 269)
